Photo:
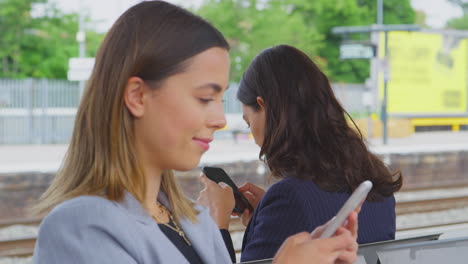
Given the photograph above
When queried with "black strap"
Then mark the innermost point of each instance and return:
(188, 251)
(228, 242)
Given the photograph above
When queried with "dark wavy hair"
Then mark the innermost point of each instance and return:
(306, 131)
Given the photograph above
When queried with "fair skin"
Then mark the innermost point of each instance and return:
(219, 198)
(338, 249)
(255, 119)
(220, 206)
(192, 98)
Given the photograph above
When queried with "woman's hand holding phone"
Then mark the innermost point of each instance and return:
(340, 248)
(219, 198)
(302, 248)
(351, 224)
(254, 194)
(353, 204)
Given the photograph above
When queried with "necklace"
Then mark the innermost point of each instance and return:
(175, 228)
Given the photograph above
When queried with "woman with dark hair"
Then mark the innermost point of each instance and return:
(151, 106)
(306, 141)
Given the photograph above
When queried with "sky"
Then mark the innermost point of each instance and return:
(438, 12)
(105, 12)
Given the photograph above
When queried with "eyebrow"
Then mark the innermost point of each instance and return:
(213, 86)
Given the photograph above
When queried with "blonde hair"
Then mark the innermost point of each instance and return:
(101, 159)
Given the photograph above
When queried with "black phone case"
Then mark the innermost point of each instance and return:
(219, 175)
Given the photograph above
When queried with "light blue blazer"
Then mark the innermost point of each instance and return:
(91, 229)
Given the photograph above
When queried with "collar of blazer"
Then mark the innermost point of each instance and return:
(133, 207)
(196, 232)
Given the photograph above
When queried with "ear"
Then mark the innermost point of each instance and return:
(133, 96)
(260, 102)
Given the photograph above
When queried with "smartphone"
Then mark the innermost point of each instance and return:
(219, 175)
(358, 196)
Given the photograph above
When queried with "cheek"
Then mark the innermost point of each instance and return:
(259, 132)
(181, 120)
(258, 137)
(259, 141)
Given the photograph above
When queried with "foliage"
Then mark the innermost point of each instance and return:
(253, 25)
(38, 46)
(461, 3)
(460, 23)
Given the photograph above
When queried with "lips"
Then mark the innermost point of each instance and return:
(204, 143)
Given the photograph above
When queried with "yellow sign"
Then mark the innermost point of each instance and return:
(427, 73)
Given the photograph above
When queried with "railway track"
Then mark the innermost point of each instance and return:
(18, 247)
(431, 205)
(32, 221)
(445, 186)
(23, 247)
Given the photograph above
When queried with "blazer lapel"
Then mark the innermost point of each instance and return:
(194, 233)
(134, 208)
(246, 237)
(165, 249)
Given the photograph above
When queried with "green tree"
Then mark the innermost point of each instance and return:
(38, 46)
(421, 19)
(461, 3)
(325, 15)
(460, 23)
(252, 25)
(14, 18)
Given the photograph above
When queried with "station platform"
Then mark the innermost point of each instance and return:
(47, 158)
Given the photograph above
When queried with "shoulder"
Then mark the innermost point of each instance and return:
(285, 188)
(85, 214)
(83, 225)
(86, 201)
(292, 187)
(83, 208)
(303, 195)
(286, 193)
(286, 184)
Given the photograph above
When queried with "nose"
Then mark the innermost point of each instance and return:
(218, 118)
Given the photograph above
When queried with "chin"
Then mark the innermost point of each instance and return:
(187, 165)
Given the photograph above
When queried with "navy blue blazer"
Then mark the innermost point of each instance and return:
(293, 205)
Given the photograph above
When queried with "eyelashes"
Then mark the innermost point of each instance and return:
(205, 100)
(208, 100)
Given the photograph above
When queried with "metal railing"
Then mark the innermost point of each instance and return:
(37, 111)
(42, 111)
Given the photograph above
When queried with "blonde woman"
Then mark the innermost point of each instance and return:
(151, 106)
